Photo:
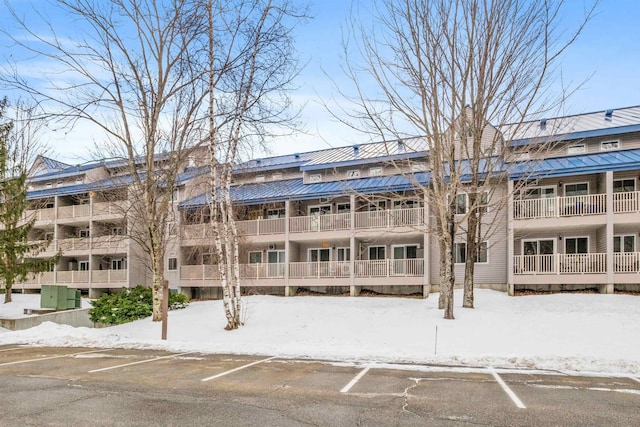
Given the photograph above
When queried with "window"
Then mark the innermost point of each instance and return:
(461, 204)
(405, 204)
(378, 205)
(276, 176)
(83, 265)
(344, 207)
(117, 231)
(319, 255)
(173, 264)
(316, 177)
(353, 173)
(320, 210)
(609, 145)
(83, 233)
(580, 189)
(275, 213)
(119, 264)
(255, 257)
(207, 259)
(624, 185)
(460, 253)
(576, 245)
(624, 244)
(48, 236)
(260, 178)
(174, 195)
(576, 149)
(375, 171)
(376, 253)
(344, 254)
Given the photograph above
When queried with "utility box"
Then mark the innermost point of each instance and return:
(59, 297)
(52, 296)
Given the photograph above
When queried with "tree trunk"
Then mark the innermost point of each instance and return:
(471, 253)
(158, 295)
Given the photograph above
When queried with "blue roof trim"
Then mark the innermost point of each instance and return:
(578, 165)
(577, 135)
(296, 189)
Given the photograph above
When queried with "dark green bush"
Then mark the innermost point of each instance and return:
(129, 305)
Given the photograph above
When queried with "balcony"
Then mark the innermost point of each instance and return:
(47, 214)
(327, 222)
(626, 262)
(74, 244)
(559, 264)
(312, 270)
(111, 243)
(77, 278)
(73, 211)
(554, 207)
(628, 202)
(390, 218)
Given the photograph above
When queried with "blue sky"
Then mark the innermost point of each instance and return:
(607, 56)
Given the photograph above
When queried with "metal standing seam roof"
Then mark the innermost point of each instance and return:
(296, 189)
(599, 123)
(578, 164)
(105, 184)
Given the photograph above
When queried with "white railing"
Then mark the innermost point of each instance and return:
(390, 268)
(196, 231)
(312, 270)
(327, 222)
(626, 262)
(326, 269)
(72, 277)
(73, 211)
(75, 244)
(560, 264)
(262, 271)
(109, 242)
(46, 214)
(626, 202)
(390, 218)
(109, 208)
(590, 204)
(257, 227)
(108, 276)
(45, 278)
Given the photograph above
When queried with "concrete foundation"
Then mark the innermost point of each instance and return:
(76, 318)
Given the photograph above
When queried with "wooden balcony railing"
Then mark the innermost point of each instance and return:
(626, 262)
(560, 264)
(312, 270)
(553, 207)
(628, 202)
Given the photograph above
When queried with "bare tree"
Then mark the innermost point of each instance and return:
(135, 71)
(446, 70)
(246, 102)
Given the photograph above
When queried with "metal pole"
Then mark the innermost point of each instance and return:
(435, 348)
(165, 307)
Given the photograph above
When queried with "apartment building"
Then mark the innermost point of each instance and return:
(349, 219)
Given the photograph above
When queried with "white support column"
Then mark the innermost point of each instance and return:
(426, 280)
(608, 289)
(287, 247)
(352, 248)
(510, 238)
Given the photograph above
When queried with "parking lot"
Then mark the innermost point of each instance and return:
(84, 386)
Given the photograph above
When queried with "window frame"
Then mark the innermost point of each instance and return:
(463, 245)
(604, 144)
(172, 264)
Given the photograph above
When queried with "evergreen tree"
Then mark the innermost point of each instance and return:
(17, 255)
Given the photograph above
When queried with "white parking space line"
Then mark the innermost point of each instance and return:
(353, 382)
(507, 390)
(634, 378)
(138, 362)
(236, 369)
(17, 362)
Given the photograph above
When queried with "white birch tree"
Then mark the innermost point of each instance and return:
(247, 101)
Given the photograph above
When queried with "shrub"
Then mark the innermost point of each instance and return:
(129, 305)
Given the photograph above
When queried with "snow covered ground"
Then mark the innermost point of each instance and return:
(567, 332)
